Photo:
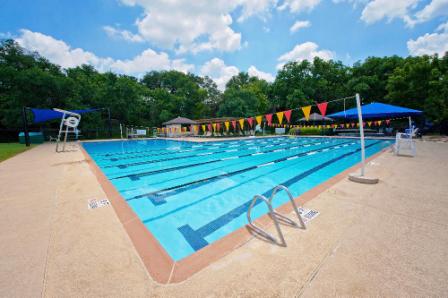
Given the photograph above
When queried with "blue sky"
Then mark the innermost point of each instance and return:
(219, 38)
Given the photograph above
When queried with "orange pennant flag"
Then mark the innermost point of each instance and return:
(227, 124)
(258, 119)
(306, 111)
(280, 117)
(241, 121)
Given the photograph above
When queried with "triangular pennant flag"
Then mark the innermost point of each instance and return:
(250, 120)
(352, 124)
(342, 125)
(234, 124)
(214, 126)
(280, 117)
(241, 121)
(209, 127)
(306, 111)
(218, 126)
(288, 115)
(322, 108)
(268, 118)
(369, 123)
(258, 119)
(227, 124)
(388, 121)
(379, 122)
(347, 125)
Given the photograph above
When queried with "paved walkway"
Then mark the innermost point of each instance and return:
(388, 239)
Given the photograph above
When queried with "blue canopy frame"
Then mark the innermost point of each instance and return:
(42, 115)
(377, 110)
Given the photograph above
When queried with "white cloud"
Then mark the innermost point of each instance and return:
(256, 7)
(122, 34)
(355, 3)
(434, 9)
(57, 51)
(195, 26)
(219, 72)
(150, 60)
(5, 35)
(443, 27)
(254, 72)
(296, 6)
(304, 51)
(429, 44)
(299, 25)
(377, 10)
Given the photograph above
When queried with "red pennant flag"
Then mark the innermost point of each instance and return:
(342, 125)
(250, 120)
(287, 115)
(218, 126)
(234, 124)
(388, 121)
(352, 124)
(322, 108)
(209, 127)
(269, 119)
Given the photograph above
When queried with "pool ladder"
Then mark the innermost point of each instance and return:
(275, 216)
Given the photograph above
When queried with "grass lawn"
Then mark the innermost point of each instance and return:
(8, 150)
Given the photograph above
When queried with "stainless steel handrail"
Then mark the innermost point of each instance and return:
(291, 199)
(282, 241)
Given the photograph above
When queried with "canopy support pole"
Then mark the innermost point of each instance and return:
(25, 127)
(109, 123)
(356, 177)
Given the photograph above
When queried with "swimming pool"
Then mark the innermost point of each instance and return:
(189, 194)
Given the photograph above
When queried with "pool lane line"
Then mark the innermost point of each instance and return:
(221, 143)
(149, 173)
(247, 147)
(158, 197)
(137, 176)
(198, 149)
(123, 166)
(196, 238)
(123, 191)
(295, 163)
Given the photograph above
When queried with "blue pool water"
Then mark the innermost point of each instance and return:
(191, 194)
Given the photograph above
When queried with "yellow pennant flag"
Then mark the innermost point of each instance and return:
(241, 121)
(369, 123)
(203, 127)
(328, 126)
(227, 124)
(258, 119)
(306, 111)
(379, 122)
(280, 117)
(214, 126)
(347, 125)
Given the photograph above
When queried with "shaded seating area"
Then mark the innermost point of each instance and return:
(178, 127)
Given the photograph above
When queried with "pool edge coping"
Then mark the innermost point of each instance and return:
(160, 266)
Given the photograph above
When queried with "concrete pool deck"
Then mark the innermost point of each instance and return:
(387, 239)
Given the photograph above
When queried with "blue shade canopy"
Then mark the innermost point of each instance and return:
(42, 115)
(377, 110)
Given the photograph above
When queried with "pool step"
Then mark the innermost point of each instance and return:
(275, 216)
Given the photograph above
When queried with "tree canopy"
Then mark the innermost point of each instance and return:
(28, 79)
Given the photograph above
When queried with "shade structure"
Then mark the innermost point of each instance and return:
(179, 120)
(377, 110)
(42, 115)
(316, 117)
